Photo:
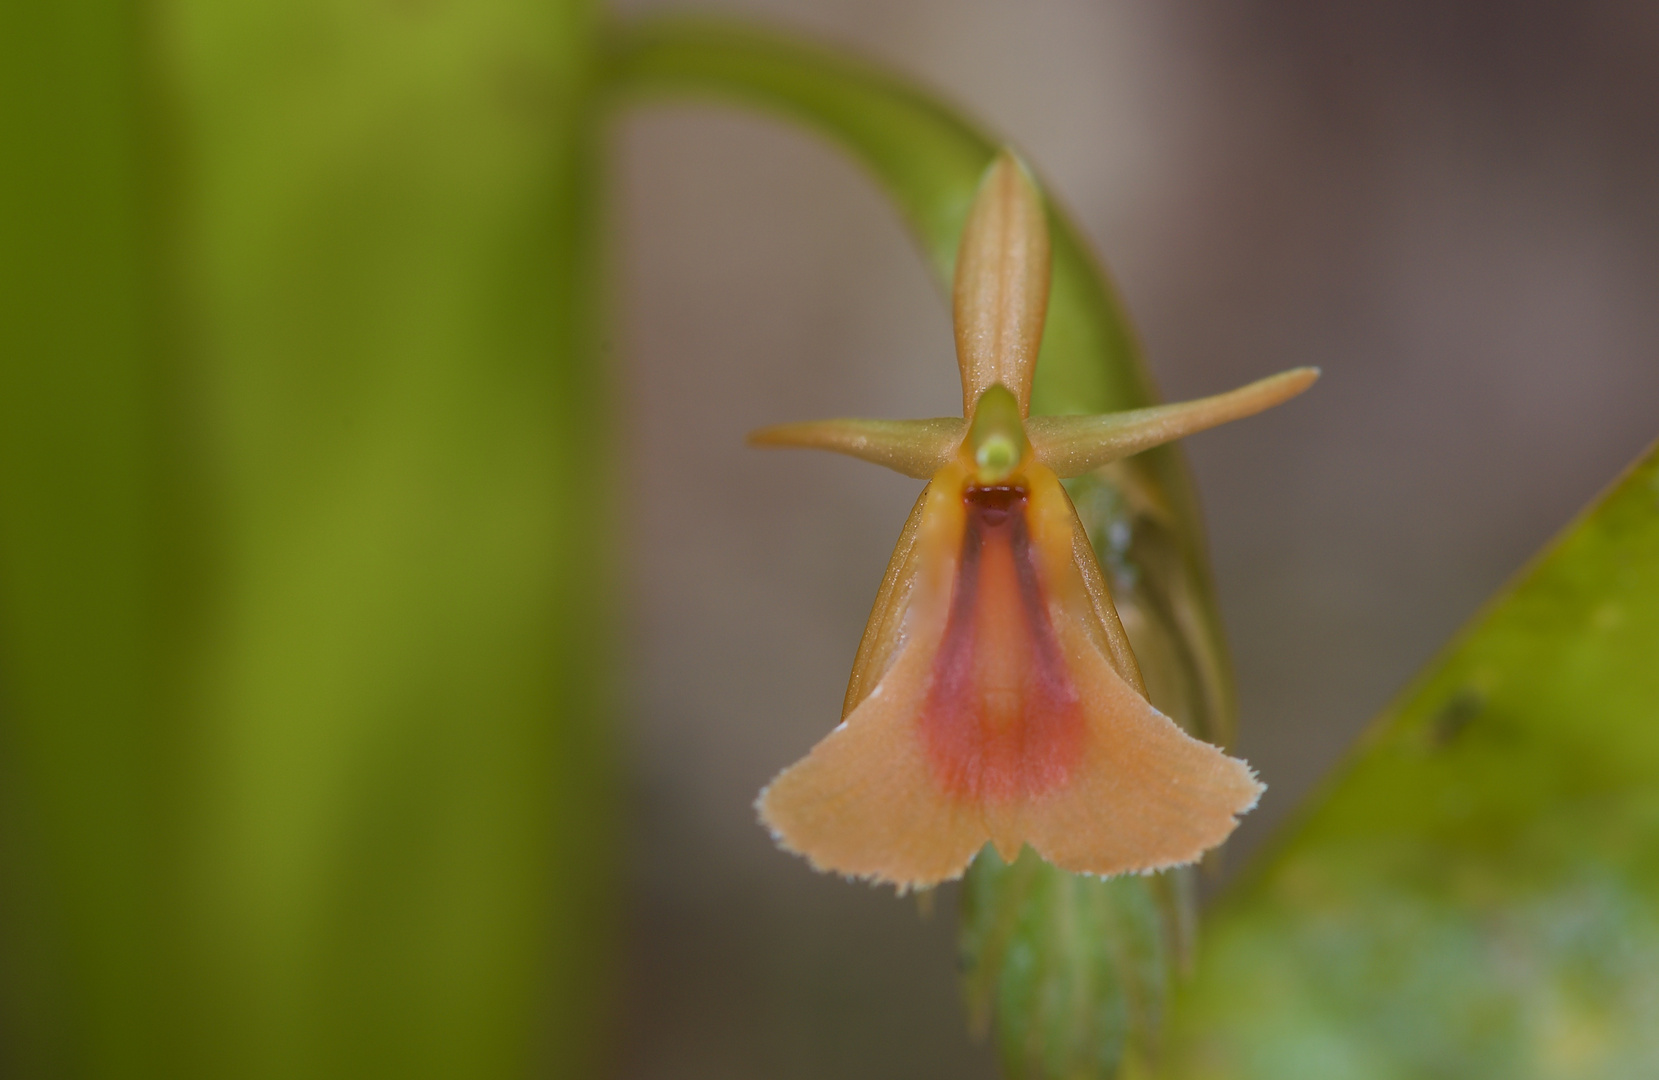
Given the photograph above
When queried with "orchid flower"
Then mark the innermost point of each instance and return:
(994, 697)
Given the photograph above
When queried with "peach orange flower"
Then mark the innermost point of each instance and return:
(994, 696)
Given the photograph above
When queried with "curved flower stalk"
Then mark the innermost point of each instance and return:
(994, 697)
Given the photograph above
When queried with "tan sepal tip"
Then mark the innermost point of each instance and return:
(1073, 445)
(917, 448)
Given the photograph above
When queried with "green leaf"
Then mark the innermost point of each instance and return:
(84, 603)
(1476, 894)
(304, 534)
(1076, 969)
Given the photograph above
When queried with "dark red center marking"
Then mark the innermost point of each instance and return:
(1001, 719)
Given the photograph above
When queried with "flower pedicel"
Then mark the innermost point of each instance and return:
(994, 696)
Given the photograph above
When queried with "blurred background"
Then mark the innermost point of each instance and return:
(306, 761)
(1448, 206)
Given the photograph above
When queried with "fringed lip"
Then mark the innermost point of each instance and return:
(1002, 719)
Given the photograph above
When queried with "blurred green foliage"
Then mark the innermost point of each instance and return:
(1477, 893)
(89, 600)
(304, 501)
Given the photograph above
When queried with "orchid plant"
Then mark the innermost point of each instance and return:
(307, 761)
(995, 696)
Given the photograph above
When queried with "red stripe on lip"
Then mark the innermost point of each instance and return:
(1002, 719)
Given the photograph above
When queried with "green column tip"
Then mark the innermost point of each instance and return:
(996, 437)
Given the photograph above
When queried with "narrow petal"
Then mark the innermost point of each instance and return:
(883, 633)
(1101, 621)
(1181, 654)
(1072, 445)
(917, 448)
(1001, 290)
